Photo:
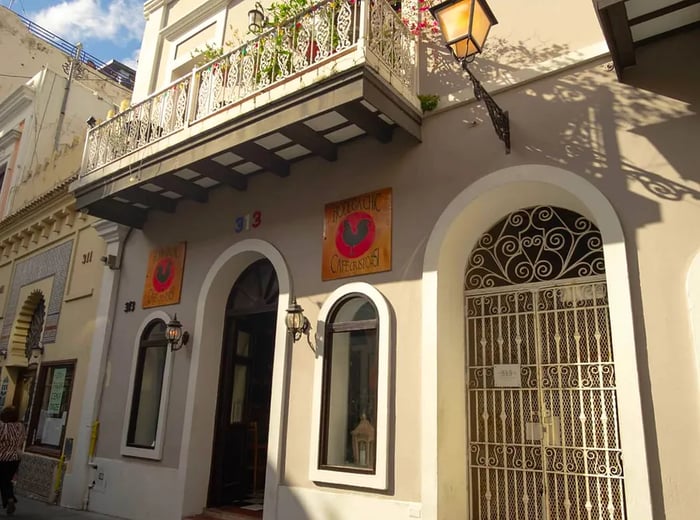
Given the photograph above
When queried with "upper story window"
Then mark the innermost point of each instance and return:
(183, 41)
(351, 383)
(3, 170)
(148, 392)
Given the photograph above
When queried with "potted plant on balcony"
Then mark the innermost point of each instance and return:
(209, 53)
(291, 18)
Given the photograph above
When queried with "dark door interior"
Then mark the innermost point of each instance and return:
(243, 406)
(24, 392)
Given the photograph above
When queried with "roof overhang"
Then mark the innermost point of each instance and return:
(317, 119)
(629, 23)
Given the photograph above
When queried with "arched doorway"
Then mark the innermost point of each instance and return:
(28, 330)
(543, 436)
(239, 453)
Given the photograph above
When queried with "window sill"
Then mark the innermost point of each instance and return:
(141, 453)
(54, 453)
(351, 478)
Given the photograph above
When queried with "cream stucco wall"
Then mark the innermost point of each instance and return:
(77, 316)
(634, 141)
(530, 38)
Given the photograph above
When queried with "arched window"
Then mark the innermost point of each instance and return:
(148, 392)
(351, 388)
(348, 436)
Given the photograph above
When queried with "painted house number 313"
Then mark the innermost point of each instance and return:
(245, 222)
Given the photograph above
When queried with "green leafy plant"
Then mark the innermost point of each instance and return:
(209, 53)
(428, 102)
(212, 52)
(280, 12)
(281, 16)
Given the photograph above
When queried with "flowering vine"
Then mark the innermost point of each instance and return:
(417, 18)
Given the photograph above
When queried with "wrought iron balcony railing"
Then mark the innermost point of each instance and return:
(325, 32)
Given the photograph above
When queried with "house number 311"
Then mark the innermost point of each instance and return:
(250, 220)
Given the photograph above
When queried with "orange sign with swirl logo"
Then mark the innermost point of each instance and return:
(357, 235)
(164, 276)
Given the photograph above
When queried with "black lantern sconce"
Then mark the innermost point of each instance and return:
(464, 25)
(175, 335)
(297, 323)
(256, 18)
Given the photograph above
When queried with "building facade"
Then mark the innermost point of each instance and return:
(50, 269)
(487, 334)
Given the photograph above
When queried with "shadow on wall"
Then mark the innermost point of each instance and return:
(591, 124)
(658, 101)
(665, 71)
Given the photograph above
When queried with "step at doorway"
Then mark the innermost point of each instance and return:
(232, 512)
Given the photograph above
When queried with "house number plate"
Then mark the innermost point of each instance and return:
(506, 376)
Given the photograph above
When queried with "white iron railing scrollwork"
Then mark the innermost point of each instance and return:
(158, 116)
(320, 33)
(391, 41)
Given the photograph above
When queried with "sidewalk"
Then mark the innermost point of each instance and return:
(28, 509)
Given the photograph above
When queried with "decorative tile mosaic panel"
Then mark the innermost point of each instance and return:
(52, 262)
(35, 477)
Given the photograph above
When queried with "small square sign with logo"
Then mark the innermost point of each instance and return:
(357, 236)
(164, 276)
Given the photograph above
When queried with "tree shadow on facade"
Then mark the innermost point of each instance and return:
(664, 70)
(587, 122)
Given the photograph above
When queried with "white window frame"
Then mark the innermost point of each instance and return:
(379, 479)
(219, 20)
(155, 453)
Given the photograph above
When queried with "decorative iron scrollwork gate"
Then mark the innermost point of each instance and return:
(542, 421)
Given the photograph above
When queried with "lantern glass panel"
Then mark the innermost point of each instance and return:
(464, 24)
(480, 26)
(255, 19)
(294, 320)
(174, 333)
(454, 20)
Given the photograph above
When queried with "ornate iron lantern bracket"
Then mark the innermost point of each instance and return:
(499, 117)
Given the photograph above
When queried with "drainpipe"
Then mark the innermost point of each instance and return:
(75, 59)
(76, 488)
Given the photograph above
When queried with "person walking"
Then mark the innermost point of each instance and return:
(11, 440)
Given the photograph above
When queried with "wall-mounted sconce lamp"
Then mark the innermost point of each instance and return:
(256, 18)
(464, 25)
(297, 323)
(3, 355)
(175, 335)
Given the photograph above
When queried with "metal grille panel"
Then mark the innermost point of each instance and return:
(543, 438)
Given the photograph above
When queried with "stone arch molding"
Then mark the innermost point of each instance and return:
(22, 323)
(198, 431)
(464, 220)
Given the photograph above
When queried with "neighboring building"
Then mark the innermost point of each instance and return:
(520, 336)
(30, 48)
(50, 269)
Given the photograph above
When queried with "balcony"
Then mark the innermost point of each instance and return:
(340, 70)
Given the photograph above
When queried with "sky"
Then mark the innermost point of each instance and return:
(107, 29)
